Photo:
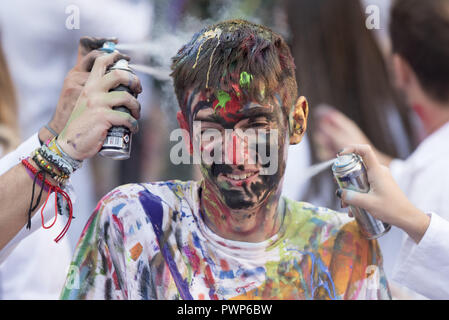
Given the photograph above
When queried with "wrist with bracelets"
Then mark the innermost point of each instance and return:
(50, 159)
(54, 147)
(62, 199)
(53, 160)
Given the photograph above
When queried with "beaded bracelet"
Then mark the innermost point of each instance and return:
(56, 160)
(45, 165)
(51, 160)
(50, 168)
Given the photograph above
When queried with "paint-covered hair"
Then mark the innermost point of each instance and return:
(239, 57)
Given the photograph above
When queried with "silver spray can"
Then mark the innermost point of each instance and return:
(117, 144)
(350, 173)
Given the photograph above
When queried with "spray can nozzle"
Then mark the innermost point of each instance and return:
(108, 47)
(344, 160)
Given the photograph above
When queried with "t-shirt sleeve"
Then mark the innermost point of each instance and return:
(357, 266)
(96, 271)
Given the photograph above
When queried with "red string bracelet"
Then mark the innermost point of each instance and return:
(56, 190)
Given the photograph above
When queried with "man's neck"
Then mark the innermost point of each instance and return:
(433, 116)
(248, 225)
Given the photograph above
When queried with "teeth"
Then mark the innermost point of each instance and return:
(239, 176)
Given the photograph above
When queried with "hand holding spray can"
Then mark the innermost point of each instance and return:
(117, 144)
(350, 173)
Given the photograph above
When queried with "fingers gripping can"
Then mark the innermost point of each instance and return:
(117, 144)
(350, 173)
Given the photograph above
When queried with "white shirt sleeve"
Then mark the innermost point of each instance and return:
(9, 161)
(21, 152)
(425, 266)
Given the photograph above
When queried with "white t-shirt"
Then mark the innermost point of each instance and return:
(149, 241)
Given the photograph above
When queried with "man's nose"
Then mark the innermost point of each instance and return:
(235, 150)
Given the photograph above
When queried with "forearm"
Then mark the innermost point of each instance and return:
(16, 191)
(413, 221)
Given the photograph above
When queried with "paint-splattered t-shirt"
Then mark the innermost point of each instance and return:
(149, 241)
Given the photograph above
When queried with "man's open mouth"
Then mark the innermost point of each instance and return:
(238, 178)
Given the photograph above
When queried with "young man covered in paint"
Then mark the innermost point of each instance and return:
(231, 235)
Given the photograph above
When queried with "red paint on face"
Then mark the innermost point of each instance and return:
(230, 113)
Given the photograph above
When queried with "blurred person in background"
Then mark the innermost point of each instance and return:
(380, 31)
(16, 272)
(9, 130)
(419, 32)
(40, 48)
(340, 67)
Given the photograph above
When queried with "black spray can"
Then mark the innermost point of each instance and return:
(117, 144)
(350, 173)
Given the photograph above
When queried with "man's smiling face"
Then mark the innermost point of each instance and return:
(252, 138)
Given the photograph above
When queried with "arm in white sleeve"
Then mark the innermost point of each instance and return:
(48, 214)
(425, 266)
(22, 151)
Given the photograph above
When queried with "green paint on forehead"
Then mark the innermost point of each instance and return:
(223, 97)
(245, 79)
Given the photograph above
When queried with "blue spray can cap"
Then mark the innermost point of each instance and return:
(108, 47)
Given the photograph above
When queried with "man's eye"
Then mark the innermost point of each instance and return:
(209, 130)
(259, 125)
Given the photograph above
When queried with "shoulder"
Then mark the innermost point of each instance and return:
(129, 194)
(320, 225)
(168, 192)
(132, 195)
(120, 199)
(143, 201)
(320, 216)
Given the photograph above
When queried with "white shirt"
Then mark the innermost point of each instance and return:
(32, 265)
(119, 255)
(299, 159)
(424, 178)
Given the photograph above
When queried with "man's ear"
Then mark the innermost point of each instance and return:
(185, 131)
(298, 120)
